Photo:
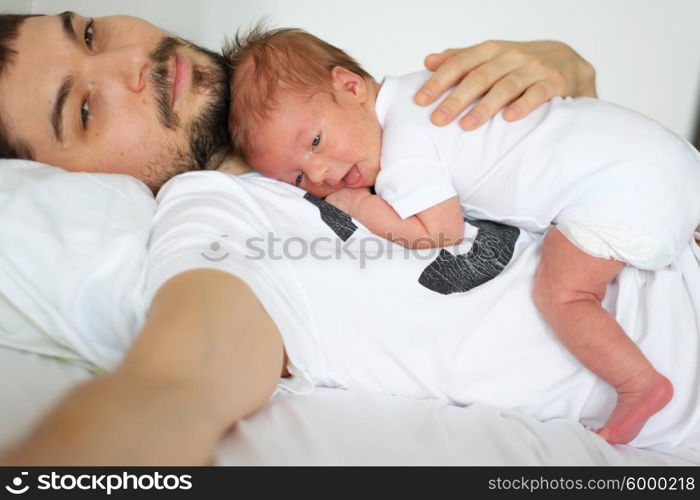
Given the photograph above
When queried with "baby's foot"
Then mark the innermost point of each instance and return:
(637, 400)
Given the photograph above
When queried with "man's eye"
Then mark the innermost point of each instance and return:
(316, 141)
(85, 114)
(89, 34)
(299, 178)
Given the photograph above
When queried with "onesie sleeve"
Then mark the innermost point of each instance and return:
(412, 177)
(414, 183)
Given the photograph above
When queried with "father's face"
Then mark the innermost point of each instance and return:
(115, 94)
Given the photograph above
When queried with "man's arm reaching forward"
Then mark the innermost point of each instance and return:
(208, 355)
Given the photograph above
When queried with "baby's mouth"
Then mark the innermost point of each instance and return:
(353, 178)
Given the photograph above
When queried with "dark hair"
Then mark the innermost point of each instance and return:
(9, 30)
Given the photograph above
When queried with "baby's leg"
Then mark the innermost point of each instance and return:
(569, 287)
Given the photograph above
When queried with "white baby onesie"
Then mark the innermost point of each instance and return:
(616, 183)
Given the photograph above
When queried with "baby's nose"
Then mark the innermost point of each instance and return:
(318, 174)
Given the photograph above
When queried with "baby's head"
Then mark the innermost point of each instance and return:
(302, 111)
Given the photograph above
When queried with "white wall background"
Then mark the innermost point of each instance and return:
(16, 6)
(646, 52)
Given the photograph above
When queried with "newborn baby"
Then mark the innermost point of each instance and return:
(610, 187)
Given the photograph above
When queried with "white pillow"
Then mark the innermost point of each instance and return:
(72, 261)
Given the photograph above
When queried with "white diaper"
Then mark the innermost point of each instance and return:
(632, 246)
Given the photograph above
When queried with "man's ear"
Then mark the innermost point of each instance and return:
(348, 83)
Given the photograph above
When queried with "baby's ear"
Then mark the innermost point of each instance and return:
(347, 82)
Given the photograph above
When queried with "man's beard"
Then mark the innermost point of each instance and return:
(207, 132)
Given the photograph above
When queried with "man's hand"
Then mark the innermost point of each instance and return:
(208, 355)
(347, 199)
(525, 74)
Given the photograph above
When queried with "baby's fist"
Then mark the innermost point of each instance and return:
(347, 199)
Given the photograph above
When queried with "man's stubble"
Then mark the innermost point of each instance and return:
(207, 133)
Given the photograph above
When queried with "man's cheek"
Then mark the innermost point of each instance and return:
(135, 140)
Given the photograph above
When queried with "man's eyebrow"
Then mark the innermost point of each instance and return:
(66, 19)
(59, 104)
(67, 23)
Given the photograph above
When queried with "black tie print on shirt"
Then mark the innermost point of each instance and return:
(489, 254)
(339, 222)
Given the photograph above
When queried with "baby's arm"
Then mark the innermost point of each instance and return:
(438, 226)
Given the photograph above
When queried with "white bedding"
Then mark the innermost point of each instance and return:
(337, 427)
(72, 260)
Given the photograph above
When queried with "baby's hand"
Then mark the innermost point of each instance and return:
(348, 199)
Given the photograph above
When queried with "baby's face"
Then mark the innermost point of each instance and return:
(320, 144)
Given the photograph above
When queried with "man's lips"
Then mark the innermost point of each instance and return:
(181, 76)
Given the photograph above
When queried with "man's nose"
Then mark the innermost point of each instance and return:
(127, 65)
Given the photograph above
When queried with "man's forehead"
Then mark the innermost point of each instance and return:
(25, 82)
(40, 44)
(49, 25)
(39, 40)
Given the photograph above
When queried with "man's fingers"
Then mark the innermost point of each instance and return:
(525, 74)
(475, 84)
(504, 91)
(454, 64)
(534, 96)
(432, 61)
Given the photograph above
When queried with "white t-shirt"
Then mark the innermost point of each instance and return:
(615, 182)
(356, 311)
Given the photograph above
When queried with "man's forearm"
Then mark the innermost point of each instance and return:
(113, 420)
(208, 356)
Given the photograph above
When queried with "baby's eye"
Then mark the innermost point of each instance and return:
(316, 141)
(299, 178)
